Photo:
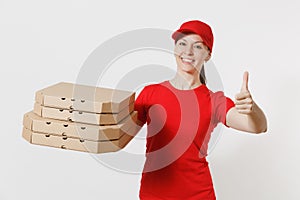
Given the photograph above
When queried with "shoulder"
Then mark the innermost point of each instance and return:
(150, 90)
(154, 87)
(210, 93)
(220, 101)
(218, 96)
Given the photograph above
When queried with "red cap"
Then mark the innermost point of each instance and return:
(200, 28)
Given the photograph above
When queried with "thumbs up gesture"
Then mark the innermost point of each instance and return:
(244, 102)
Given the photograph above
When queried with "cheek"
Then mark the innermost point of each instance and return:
(200, 59)
(177, 51)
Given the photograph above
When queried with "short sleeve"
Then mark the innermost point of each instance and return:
(140, 106)
(221, 105)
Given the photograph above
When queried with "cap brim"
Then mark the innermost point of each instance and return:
(181, 33)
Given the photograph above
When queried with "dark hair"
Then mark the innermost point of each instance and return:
(202, 76)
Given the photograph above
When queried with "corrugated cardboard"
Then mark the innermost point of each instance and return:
(36, 123)
(75, 143)
(83, 117)
(84, 98)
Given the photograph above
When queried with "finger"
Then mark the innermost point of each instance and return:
(242, 95)
(244, 111)
(245, 82)
(244, 107)
(244, 101)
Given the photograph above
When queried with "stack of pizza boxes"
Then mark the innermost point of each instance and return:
(82, 118)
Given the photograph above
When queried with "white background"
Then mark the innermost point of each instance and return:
(42, 43)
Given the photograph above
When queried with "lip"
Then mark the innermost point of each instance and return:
(187, 60)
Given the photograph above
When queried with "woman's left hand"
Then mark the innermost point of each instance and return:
(246, 114)
(243, 100)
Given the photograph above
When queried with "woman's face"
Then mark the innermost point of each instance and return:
(191, 53)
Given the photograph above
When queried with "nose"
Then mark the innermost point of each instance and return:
(188, 50)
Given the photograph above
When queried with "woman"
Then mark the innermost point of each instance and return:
(181, 113)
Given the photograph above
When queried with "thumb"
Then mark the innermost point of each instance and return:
(245, 82)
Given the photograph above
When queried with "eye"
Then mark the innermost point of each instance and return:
(198, 47)
(181, 43)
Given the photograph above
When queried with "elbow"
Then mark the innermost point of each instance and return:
(261, 127)
(265, 130)
(261, 130)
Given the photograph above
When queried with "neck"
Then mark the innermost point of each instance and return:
(186, 81)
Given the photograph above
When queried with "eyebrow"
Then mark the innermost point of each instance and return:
(194, 42)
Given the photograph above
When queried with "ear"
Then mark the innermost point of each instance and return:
(208, 57)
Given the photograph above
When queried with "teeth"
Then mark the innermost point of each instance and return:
(187, 60)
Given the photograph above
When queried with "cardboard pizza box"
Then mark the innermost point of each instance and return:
(84, 98)
(76, 143)
(82, 116)
(36, 123)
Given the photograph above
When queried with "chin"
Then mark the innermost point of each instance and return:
(189, 70)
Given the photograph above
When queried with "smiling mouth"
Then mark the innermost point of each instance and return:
(187, 60)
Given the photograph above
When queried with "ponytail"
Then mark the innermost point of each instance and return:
(202, 76)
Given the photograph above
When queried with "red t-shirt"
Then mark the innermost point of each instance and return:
(179, 125)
